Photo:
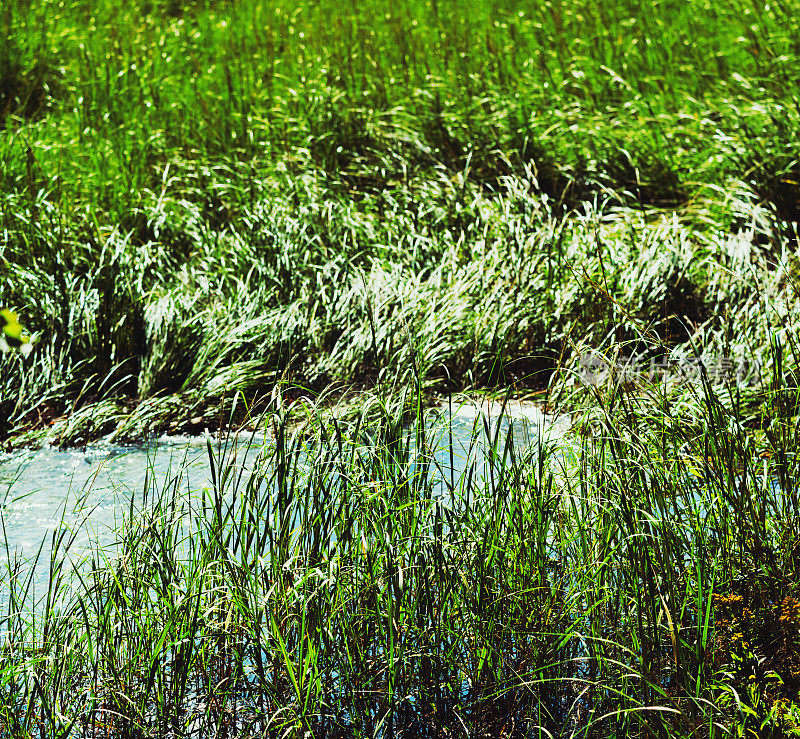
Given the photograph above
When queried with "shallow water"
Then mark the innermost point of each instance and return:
(86, 493)
(85, 490)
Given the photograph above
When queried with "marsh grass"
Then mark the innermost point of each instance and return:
(198, 200)
(206, 205)
(637, 579)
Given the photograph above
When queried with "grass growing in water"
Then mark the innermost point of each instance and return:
(199, 200)
(637, 581)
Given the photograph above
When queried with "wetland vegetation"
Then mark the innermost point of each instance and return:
(323, 218)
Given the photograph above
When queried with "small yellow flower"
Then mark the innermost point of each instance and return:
(790, 610)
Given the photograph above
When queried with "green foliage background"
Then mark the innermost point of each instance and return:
(197, 197)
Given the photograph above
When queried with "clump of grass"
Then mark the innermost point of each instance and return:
(627, 582)
(25, 86)
(241, 196)
(309, 287)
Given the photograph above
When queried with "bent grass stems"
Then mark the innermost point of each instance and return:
(335, 587)
(200, 204)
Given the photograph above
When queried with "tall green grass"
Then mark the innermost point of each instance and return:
(635, 580)
(202, 198)
(207, 204)
(313, 290)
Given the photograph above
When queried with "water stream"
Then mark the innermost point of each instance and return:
(87, 492)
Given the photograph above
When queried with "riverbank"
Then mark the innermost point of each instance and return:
(325, 220)
(517, 297)
(184, 218)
